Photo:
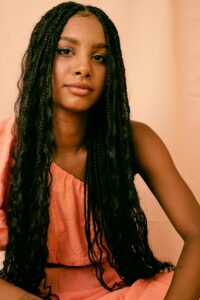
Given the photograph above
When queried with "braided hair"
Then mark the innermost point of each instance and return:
(111, 202)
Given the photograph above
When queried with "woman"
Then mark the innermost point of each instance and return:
(76, 228)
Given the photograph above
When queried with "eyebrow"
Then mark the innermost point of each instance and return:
(76, 42)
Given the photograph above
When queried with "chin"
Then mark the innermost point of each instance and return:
(75, 104)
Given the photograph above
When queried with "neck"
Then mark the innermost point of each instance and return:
(69, 130)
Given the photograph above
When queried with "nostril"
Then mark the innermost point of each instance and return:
(82, 74)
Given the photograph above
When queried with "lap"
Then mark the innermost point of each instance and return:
(143, 289)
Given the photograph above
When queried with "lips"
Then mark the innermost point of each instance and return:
(79, 89)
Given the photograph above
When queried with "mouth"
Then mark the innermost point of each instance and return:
(79, 89)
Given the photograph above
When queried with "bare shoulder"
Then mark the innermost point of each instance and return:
(156, 167)
(149, 149)
(142, 133)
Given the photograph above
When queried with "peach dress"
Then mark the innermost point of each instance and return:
(67, 242)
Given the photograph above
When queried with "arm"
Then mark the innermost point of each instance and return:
(158, 171)
(11, 292)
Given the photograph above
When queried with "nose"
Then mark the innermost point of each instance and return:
(82, 74)
(82, 68)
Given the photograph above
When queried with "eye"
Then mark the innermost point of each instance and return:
(64, 52)
(99, 58)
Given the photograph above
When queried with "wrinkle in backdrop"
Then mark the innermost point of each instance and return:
(161, 51)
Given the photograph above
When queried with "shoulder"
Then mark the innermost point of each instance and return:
(142, 133)
(6, 138)
(6, 125)
(150, 152)
(158, 170)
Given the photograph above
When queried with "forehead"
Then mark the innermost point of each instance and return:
(84, 27)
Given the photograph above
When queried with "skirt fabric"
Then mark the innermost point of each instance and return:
(143, 289)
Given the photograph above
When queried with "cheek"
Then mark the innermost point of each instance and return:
(102, 78)
(57, 79)
(56, 83)
(56, 75)
(59, 71)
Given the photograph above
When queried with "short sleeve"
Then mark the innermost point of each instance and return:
(5, 147)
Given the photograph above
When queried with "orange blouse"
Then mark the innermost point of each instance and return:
(67, 243)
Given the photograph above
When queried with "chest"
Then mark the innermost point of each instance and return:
(75, 164)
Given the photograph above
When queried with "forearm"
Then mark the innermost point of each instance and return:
(11, 292)
(185, 284)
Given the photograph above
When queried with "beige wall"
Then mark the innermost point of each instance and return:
(162, 55)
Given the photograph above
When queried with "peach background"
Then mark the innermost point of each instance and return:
(161, 48)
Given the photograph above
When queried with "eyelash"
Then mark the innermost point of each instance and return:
(62, 51)
(100, 58)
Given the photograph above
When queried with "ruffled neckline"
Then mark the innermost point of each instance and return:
(55, 168)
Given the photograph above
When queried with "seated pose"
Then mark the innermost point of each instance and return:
(71, 223)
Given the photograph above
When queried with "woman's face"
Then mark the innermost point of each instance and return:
(79, 66)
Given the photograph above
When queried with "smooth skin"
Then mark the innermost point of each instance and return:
(156, 167)
(81, 61)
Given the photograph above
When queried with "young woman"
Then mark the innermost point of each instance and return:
(71, 222)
